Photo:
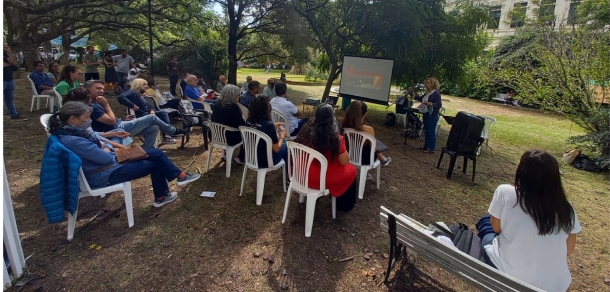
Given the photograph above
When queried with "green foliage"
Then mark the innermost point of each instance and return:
(207, 59)
(474, 83)
(565, 70)
(594, 13)
(323, 64)
(313, 74)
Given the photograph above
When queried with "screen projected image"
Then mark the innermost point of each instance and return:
(366, 78)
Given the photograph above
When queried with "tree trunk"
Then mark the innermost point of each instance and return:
(329, 83)
(232, 50)
(30, 52)
(65, 44)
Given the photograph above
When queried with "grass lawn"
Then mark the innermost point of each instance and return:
(230, 244)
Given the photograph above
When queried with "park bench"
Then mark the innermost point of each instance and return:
(407, 235)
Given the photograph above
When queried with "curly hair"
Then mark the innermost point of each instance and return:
(322, 133)
(259, 108)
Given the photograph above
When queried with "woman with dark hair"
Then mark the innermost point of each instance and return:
(283, 77)
(259, 117)
(99, 159)
(53, 72)
(68, 79)
(354, 118)
(322, 134)
(431, 104)
(534, 225)
(110, 77)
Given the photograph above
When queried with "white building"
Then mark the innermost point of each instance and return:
(500, 10)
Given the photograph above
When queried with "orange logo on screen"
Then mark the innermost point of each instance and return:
(376, 78)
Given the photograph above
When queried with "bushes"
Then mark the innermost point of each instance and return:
(207, 60)
(313, 74)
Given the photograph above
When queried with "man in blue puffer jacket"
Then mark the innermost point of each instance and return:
(59, 180)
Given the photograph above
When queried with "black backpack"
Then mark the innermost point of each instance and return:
(463, 238)
(390, 120)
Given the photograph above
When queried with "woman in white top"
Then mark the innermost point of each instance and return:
(535, 225)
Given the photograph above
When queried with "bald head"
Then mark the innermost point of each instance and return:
(191, 80)
(222, 79)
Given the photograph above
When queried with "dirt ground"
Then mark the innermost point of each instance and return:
(230, 244)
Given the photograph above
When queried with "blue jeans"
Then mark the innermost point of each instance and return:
(487, 240)
(122, 78)
(148, 126)
(160, 168)
(430, 121)
(300, 125)
(163, 116)
(282, 154)
(9, 97)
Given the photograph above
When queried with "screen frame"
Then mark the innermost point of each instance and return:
(362, 98)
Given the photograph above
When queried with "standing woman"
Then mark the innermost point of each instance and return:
(432, 100)
(534, 225)
(53, 72)
(322, 134)
(68, 79)
(110, 77)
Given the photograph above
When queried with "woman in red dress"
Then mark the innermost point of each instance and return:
(322, 134)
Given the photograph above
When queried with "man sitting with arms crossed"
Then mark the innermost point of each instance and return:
(250, 95)
(269, 90)
(222, 81)
(281, 104)
(42, 81)
(104, 120)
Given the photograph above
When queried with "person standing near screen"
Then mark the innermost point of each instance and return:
(433, 103)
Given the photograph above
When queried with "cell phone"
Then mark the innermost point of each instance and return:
(282, 127)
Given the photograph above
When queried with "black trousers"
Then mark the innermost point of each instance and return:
(173, 80)
(92, 76)
(347, 200)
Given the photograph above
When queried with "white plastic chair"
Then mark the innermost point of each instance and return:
(251, 138)
(300, 158)
(278, 116)
(59, 99)
(489, 124)
(86, 191)
(244, 111)
(219, 140)
(206, 107)
(438, 124)
(356, 140)
(401, 118)
(44, 120)
(37, 97)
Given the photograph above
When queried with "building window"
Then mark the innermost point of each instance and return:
(546, 12)
(573, 13)
(518, 14)
(494, 14)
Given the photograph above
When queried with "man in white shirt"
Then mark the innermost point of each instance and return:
(244, 86)
(281, 104)
(269, 90)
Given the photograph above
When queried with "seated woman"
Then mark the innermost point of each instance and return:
(54, 72)
(322, 134)
(68, 79)
(99, 160)
(534, 225)
(82, 95)
(354, 118)
(283, 77)
(133, 99)
(432, 103)
(259, 117)
(161, 101)
(228, 113)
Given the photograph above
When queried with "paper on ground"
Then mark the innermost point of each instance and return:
(208, 194)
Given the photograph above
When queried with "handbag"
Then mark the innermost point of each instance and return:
(134, 153)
